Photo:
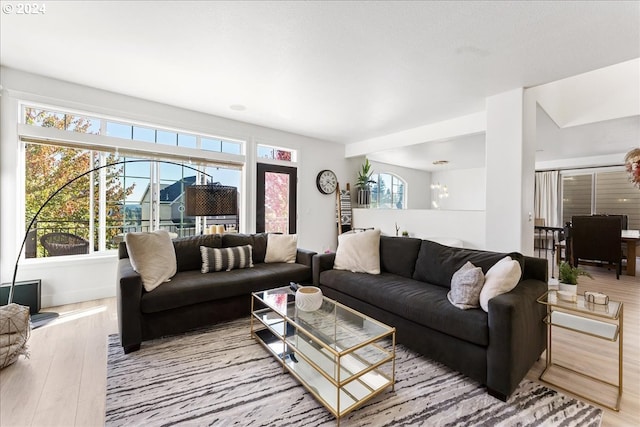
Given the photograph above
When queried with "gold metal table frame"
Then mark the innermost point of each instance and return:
(336, 353)
(599, 321)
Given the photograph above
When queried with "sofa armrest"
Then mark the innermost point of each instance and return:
(536, 268)
(129, 294)
(517, 336)
(305, 257)
(322, 262)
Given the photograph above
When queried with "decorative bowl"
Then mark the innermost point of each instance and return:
(308, 298)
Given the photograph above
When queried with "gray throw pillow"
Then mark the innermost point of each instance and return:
(225, 259)
(466, 285)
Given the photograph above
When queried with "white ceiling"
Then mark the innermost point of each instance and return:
(465, 152)
(340, 71)
(553, 143)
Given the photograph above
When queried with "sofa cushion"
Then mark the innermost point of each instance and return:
(281, 248)
(466, 285)
(436, 263)
(416, 301)
(500, 279)
(192, 287)
(225, 259)
(152, 256)
(398, 254)
(257, 241)
(359, 252)
(188, 250)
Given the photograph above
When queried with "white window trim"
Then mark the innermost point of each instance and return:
(28, 133)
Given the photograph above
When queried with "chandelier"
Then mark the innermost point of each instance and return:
(438, 192)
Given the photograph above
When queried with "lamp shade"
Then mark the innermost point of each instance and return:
(212, 199)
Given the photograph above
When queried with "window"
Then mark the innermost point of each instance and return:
(387, 192)
(118, 129)
(134, 194)
(276, 153)
(600, 192)
(576, 196)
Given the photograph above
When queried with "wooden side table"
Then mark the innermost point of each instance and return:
(600, 321)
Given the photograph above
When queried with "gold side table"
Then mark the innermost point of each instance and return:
(596, 320)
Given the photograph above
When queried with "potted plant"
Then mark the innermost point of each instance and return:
(568, 277)
(363, 183)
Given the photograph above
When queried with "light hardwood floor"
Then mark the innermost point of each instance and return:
(63, 382)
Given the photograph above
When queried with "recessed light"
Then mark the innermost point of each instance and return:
(441, 162)
(237, 107)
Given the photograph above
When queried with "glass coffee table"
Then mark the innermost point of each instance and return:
(342, 357)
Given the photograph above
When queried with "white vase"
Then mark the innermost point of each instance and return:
(568, 288)
(308, 298)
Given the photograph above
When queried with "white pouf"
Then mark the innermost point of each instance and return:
(308, 298)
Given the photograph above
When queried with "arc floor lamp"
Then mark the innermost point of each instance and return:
(201, 200)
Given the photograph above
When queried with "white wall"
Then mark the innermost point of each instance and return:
(72, 279)
(467, 226)
(504, 170)
(467, 188)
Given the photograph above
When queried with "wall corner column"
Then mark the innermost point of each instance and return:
(510, 167)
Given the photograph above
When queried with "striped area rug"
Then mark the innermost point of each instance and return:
(220, 376)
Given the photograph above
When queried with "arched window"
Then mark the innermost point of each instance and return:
(388, 192)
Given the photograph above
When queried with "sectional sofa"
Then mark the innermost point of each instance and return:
(496, 348)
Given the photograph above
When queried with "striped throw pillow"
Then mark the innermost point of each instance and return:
(225, 259)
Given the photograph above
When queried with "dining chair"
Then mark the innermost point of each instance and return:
(597, 238)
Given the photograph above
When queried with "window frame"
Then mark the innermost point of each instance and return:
(394, 177)
(593, 174)
(110, 144)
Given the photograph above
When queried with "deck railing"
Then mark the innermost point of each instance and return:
(546, 241)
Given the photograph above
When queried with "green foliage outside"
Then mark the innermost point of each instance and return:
(50, 167)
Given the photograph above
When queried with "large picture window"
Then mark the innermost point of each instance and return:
(600, 192)
(135, 194)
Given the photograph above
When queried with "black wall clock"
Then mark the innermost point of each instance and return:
(326, 181)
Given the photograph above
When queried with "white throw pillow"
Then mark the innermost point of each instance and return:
(152, 255)
(281, 248)
(359, 252)
(500, 279)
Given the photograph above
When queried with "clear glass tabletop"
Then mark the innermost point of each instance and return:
(337, 326)
(581, 306)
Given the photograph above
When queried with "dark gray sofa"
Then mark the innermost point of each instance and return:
(193, 299)
(496, 348)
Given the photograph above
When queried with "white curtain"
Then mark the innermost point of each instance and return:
(546, 198)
